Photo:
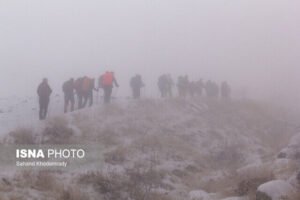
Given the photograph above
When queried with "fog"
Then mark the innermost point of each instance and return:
(253, 44)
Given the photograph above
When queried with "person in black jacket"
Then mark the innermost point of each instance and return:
(165, 84)
(44, 91)
(68, 89)
(225, 90)
(136, 84)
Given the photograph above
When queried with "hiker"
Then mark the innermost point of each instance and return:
(136, 84)
(68, 89)
(209, 88)
(84, 87)
(44, 91)
(225, 90)
(91, 91)
(199, 87)
(107, 82)
(78, 89)
(212, 89)
(182, 85)
(192, 88)
(88, 86)
(170, 84)
(216, 90)
(165, 85)
(162, 85)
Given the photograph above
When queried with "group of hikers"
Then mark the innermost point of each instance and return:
(84, 88)
(185, 87)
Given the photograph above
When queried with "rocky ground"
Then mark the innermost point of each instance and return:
(173, 149)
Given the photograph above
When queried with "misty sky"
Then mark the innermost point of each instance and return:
(250, 43)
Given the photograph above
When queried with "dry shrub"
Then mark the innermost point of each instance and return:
(180, 173)
(82, 122)
(143, 180)
(24, 179)
(135, 127)
(72, 193)
(251, 178)
(108, 137)
(2, 197)
(271, 126)
(255, 171)
(117, 156)
(138, 183)
(89, 177)
(169, 147)
(249, 187)
(285, 169)
(146, 109)
(38, 180)
(80, 117)
(296, 195)
(228, 156)
(5, 186)
(261, 196)
(45, 181)
(222, 184)
(148, 143)
(232, 183)
(110, 186)
(276, 137)
(57, 132)
(158, 196)
(193, 169)
(21, 136)
(112, 109)
(16, 197)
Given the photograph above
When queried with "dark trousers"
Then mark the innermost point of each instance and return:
(88, 97)
(79, 99)
(136, 93)
(69, 98)
(163, 93)
(107, 93)
(44, 102)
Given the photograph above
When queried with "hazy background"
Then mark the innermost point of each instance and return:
(254, 44)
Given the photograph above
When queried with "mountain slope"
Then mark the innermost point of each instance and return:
(164, 149)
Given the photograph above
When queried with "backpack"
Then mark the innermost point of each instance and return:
(107, 79)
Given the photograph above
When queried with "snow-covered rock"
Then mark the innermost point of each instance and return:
(292, 151)
(274, 190)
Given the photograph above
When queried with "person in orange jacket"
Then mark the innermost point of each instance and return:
(107, 82)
